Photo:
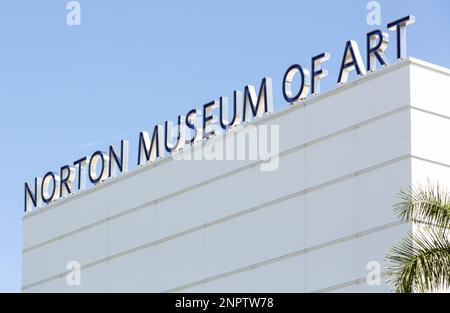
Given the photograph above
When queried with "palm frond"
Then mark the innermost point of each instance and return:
(421, 262)
(429, 204)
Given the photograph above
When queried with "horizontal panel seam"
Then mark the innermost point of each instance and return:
(347, 284)
(430, 112)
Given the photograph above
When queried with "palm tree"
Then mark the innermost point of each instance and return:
(421, 262)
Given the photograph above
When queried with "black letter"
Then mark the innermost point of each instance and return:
(400, 27)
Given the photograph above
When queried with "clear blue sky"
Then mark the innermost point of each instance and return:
(68, 91)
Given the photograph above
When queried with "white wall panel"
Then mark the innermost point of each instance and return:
(430, 134)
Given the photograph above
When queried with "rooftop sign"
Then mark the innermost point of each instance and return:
(201, 125)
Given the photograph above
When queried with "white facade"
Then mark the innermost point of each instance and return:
(313, 225)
